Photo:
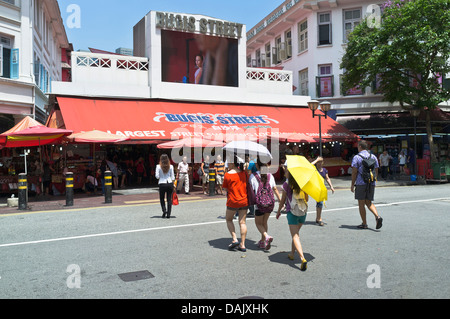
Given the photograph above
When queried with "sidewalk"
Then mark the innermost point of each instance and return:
(344, 182)
(81, 200)
(151, 195)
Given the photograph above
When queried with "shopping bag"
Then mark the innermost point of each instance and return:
(175, 199)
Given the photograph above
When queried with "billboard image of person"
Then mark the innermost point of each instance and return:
(181, 50)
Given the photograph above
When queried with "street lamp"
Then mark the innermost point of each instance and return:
(325, 107)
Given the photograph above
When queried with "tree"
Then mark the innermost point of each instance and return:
(407, 54)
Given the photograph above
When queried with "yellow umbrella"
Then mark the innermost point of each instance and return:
(307, 177)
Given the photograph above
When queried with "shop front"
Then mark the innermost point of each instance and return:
(151, 122)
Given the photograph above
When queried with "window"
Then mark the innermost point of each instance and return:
(37, 15)
(324, 28)
(302, 36)
(325, 69)
(325, 81)
(304, 83)
(276, 59)
(249, 61)
(9, 59)
(37, 65)
(268, 48)
(258, 58)
(351, 19)
(9, 1)
(288, 41)
(14, 63)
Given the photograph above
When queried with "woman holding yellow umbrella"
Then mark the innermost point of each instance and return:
(303, 180)
(290, 194)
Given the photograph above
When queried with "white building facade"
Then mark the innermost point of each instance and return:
(309, 38)
(157, 91)
(32, 35)
(140, 76)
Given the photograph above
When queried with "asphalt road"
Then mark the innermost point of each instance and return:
(81, 253)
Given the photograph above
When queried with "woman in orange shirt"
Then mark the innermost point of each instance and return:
(235, 182)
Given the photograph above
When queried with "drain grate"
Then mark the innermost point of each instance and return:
(136, 276)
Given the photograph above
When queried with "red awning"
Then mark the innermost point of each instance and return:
(151, 121)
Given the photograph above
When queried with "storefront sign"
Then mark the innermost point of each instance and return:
(214, 119)
(178, 22)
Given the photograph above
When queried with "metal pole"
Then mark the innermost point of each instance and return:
(108, 187)
(212, 182)
(415, 145)
(69, 189)
(320, 135)
(23, 191)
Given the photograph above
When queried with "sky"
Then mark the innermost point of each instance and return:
(108, 24)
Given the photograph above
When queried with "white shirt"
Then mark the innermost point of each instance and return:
(164, 178)
(255, 184)
(183, 168)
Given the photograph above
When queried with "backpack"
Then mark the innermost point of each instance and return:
(299, 204)
(368, 165)
(264, 200)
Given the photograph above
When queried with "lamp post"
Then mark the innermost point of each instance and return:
(415, 112)
(325, 107)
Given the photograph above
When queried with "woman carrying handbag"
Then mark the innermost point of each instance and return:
(165, 174)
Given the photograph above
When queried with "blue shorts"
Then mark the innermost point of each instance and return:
(295, 220)
(319, 205)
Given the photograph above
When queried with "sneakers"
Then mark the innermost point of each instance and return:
(268, 242)
(261, 244)
(379, 222)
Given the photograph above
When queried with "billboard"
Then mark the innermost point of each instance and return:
(199, 51)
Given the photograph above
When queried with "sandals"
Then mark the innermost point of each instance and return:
(233, 245)
(319, 222)
(379, 224)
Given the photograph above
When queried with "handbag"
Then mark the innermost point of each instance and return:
(175, 201)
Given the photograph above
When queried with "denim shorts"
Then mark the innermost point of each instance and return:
(295, 220)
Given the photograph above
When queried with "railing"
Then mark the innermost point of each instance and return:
(269, 75)
(269, 81)
(109, 68)
(92, 60)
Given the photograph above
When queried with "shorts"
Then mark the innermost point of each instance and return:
(319, 205)
(362, 192)
(219, 179)
(260, 213)
(237, 209)
(295, 220)
(205, 178)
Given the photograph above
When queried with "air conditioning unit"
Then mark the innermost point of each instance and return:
(289, 50)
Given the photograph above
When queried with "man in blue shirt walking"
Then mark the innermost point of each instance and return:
(364, 192)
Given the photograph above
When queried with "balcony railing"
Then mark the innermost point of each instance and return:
(110, 62)
(269, 80)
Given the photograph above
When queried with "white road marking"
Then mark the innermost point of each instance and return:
(191, 225)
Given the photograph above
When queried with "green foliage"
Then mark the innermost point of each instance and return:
(412, 43)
